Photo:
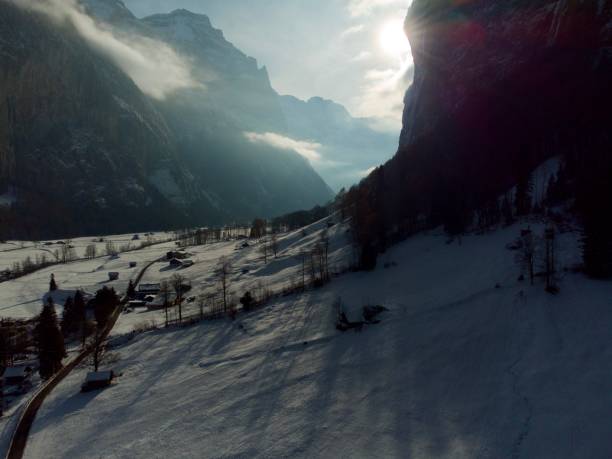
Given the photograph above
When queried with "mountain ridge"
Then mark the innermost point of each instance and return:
(181, 187)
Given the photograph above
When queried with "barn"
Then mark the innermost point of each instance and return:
(97, 380)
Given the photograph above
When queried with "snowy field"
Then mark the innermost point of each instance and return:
(22, 297)
(468, 362)
(17, 251)
(249, 271)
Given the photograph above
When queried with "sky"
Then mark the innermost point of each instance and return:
(351, 51)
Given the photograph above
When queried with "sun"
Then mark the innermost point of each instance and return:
(393, 40)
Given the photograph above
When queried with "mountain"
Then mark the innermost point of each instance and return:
(499, 88)
(80, 144)
(518, 64)
(210, 122)
(83, 149)
(240, 93)
(349, 147)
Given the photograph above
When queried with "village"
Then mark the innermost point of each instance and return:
(191, 277)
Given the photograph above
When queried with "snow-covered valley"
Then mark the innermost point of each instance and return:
(467, 362)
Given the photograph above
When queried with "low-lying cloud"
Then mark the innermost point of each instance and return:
(309, 150)
(153, 66)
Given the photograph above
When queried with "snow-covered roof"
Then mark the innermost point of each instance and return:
(96, 376)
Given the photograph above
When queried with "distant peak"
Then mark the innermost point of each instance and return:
(181, 12)
(181, 16)
(320, 101)
(106, 9)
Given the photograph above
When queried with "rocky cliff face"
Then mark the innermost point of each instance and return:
(234, 97)
(500, 86)
(83, 150)
(529, 59)
(78, 141)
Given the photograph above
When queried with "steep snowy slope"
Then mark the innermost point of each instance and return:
(468, 363)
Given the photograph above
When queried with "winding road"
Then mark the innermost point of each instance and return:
(20, 435)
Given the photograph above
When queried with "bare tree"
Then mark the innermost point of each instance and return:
(98, 345)
(91, 251)
(274, 245)
(177, 282)
(527, 254)
(223, 272)
(303, 258)
(164, 290)
(110, 248)
(265, 250)
(550, 260)
(67, 252)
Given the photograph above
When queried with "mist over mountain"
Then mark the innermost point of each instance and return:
(349, 147)
(240, 91)
(91, 139)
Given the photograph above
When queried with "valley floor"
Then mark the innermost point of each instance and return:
(467, 363)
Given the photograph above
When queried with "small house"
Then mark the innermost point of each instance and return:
(97, 380)
(16, 376)
(137, 303)
(133, 264)
(149, 289)
(176, 263)
(113, 276)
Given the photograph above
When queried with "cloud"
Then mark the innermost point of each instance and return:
(362, 56)
(382, 95)
(364, 7)
(353, 30)
(153, 66)
(309, 150)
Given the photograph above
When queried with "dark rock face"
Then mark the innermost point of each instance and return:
(83, 150)
(78, 139)
(502, 85)
(532, 62)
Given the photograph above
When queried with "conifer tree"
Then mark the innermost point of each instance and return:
(524, 189)
(507, 212)
(50, 341)
(68, 317)
(104, 304)
(80, 315)
(52, 284)
(131, 290)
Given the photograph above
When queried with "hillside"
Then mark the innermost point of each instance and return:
(487, 366)
(70, 168)
(94, 137)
